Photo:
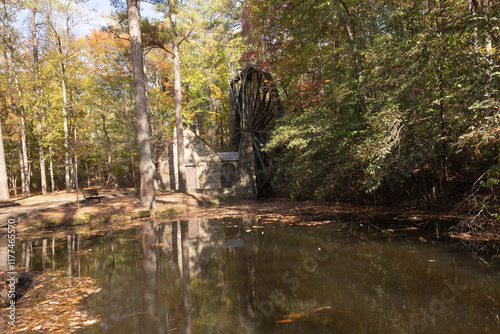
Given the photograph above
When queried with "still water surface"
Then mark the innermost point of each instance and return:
(247, 276)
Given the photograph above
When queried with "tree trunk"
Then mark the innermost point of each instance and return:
(75, 156)
(21, 166)
(181, 166)
(146, 167)
(41, 154)
(22, 120)
(111, 175)
(87, 173)
(444, 140)
(99, 172)
(67, 162)
(51, 168)
(4, 183)
(220, 133)
(41, 157)
(62, 67)
(108, 141)
(27, 173)
(196, 125)
(13, 182)
(71, 173)
(13, 106)
(132, 168)
(350, 34)
(75, 162)
(75, 172)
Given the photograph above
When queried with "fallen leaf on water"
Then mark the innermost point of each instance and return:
(295, 316)
(284, 321)
(341, 311)
(129, 315)
(320, 308)
(291, 317)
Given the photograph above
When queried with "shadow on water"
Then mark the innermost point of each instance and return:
(243, 276)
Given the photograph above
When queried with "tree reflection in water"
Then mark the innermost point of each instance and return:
(186, 279)
(240, 276)
(150, 264)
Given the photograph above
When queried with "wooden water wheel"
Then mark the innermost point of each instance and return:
(255, 105)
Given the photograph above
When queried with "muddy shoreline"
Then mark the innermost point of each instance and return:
(122, 211)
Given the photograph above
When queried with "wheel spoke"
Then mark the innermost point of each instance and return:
(254, 102)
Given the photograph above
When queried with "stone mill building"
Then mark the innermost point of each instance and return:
(209, 172)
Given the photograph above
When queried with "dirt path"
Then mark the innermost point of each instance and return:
(32, 205)
(62, 210)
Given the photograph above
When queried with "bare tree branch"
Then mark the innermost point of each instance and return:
(345, 7)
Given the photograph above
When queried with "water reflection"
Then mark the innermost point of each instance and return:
(189, 230)
(241, 276)
(150, 264)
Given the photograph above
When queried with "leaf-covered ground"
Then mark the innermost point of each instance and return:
(52, 304)
(119, 211)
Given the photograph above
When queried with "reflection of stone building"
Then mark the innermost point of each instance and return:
(205, 240)
(228, 173)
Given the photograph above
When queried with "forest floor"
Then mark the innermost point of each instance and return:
(60, 213)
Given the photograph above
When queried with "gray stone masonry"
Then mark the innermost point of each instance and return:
(207, 165)
(198, 154)
(246, 169)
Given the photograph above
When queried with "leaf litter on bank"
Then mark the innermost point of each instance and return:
(53, 304)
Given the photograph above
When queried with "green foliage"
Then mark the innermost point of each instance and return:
(172, 211)
(208, 60)
(314, 153)
(87, 217)
(76, 221)
(159, 213)
(215, 202)
(47, 223)
(382, 98)
(102, 219)
(144, 214)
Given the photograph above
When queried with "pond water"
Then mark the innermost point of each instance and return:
(250, 276)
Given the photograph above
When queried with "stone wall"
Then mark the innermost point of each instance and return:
(208, 167)
(197, 153)
(246, 170)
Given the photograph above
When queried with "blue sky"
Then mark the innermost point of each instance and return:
(97, 10)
